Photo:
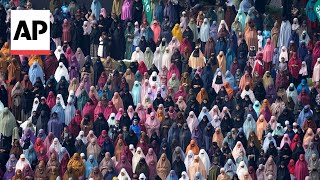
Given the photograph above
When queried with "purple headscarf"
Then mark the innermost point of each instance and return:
(74, 68)
(29, 134)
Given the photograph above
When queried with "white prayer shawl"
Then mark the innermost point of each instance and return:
(154, 79)
(35, 104)
(58, 52)
(60, 99)
(186, 176)
(249, 93)
(136, 158)
(125, 175)
(157, 58)
(20, 164)
(225, 25)
(205, 160)
(242, 168)
(61, 71)
(192, 121)
(285, 33)
(267, 141)
(283, 54)
(137, 56)
(82, 137)
(69, 112)
(188, 160)
(303, 71)
(166, 58)
(205, 31)
(56, 145)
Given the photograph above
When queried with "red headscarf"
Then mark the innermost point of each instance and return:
(301, 168)
(294, 141)
(38, 145)
(185, 44)
(99, 109)
(104, 134)
(291, 166)
(51, 100)
(142, 67)
(109, 109)
(102, 79)
(304, 97)
(69, 53)
(294, 65)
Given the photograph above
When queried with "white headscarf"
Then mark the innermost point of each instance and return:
(58, 52)
(137, 55)
(56, 145)
(20, 164)
(157, 58)
(186, 176)
(223, 23)
(60, 98)
(237, 149)
(166, 58)
(125, 175)
(61, 71)
(295, 24)
(157, 81)
(136, 158)
(204, 30)
(242, 168)
(35, 104)
(293, 94)
(205, 159)
(192, 121)
(82, 137)
(188, 160)
(284, 54)
(267, 141)
(1, 106)
(69, 112)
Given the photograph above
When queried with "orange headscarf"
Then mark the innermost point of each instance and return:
(265, 102)
(202, 95)
(218, 137)
(261, 126)
(228, 89)
(193, 147)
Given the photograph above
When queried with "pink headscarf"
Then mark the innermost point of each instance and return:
(103, 12)
(69, 53)
(156, 30)
(99, 109)
(268, 51)
(173, 70)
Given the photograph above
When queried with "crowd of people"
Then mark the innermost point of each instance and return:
(217, 90)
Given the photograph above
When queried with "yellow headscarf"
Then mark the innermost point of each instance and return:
(176, 32)
(35, 58)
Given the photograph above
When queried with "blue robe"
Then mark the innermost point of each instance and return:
(136, 93)
(90, 165)
(96, 8)
(60, 111)
(35, 71)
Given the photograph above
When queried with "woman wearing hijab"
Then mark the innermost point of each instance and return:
(285, 33)
(204, 32)
(197, 166)
(301, 168)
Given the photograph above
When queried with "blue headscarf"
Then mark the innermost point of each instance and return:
(31, 154)
(96, 7)
(303, 85)
(136, 93)
(206, 113)
(229, 57)
(172, 175)
(136, 128)
(34, 72)
(230, 78)
(249, 125)
(306, 112)
(90, 164)
(60, 112)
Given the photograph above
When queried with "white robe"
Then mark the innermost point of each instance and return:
(61, 71)
(137, 56)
